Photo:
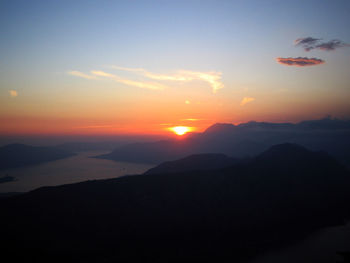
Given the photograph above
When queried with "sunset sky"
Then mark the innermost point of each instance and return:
(137, 67)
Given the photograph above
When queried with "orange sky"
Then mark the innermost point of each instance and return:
(72, 69)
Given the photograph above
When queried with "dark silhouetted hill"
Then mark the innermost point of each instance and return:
(18, 155)
(224, 215)
(246, 139)
(202, 162)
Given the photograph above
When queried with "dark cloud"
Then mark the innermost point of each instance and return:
(331, 45)
(309, 43)
(300, 62)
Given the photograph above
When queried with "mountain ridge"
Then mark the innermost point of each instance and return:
(227, 214)
(247, 139)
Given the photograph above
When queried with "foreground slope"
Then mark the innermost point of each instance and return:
(228, 214)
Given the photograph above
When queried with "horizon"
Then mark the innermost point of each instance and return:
(57, 139)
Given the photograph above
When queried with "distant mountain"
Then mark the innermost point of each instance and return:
(224, 215)
(246, 139)
(150, 152)
(18, 155)
(108, 145)
(88, 146)
(200, 162)
(221, 127)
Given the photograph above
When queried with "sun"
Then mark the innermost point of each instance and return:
(180, 130)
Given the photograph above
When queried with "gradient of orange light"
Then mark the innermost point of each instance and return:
(144, 112)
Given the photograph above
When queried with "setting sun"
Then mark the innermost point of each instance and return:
(180, 130)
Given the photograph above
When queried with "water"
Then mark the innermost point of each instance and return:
(69, 170)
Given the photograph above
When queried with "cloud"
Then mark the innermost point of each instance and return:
(13, 93)
(300, 61)
(332, 45)
(102, 74)
(192, 119)
(151, 75)
(212, 78)
(145, 85)
(246, 100)
(81, 75)
(309, 43)
(96, 73)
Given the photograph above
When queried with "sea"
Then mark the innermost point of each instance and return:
(77, 168)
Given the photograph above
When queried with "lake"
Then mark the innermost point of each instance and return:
(69, 170)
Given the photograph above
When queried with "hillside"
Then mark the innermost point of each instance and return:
(229, 214)
(195, 162)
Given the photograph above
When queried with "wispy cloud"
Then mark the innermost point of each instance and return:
(300, 61)
(13, 93)
(212, 78)
(144, 85)
(310, 43)
(81, 74)
(192, 119)
(97, 73)
(246, 100)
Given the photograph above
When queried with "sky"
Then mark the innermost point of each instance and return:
(142, 67)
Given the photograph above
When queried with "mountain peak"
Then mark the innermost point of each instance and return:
(220, 127)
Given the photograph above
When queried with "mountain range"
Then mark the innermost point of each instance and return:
(232, 213)
(243, 140)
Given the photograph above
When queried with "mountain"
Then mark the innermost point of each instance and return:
(246, 139)
(209, 161)
(150, 152)
(89, 146)
(18, 155)
(106, 145)
(225, 215)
